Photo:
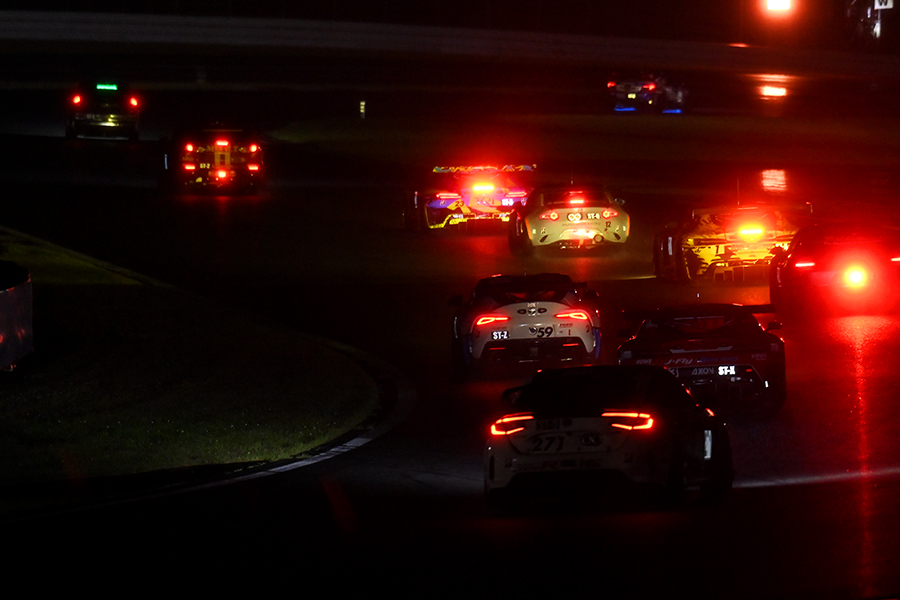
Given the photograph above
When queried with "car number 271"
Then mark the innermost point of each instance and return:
(541, 332)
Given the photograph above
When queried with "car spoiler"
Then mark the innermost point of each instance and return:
(485, 169)
(640, 315)
(796, 208)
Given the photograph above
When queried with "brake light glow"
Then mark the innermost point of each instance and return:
(895, 259)
(610, 84)
(448, 195)
(253, 167)
(517, 194)
(550, 216)
(805, 264)
(511, 424)
(628, 420)
(856, 277)
(133, 101)
(488, 319)
(189, 166)
(221, 173)
(576, 200)
(578, 315)
(609, 213)
(750, 232)
(254, 148)
(188, 147)
(76, 99)
(221, 143)
(483, 187)
(649, 86)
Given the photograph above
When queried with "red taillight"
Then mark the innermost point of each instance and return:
(76, 99)
(221, 173)
(628, 420)
(609, 213)
(804, 264)
(519, 194)
(488, 319)
(254, 148)
(253, 167)
(221, 143)
(649, 86)
(578, 315)
(483, 187)
(576, 200)
(188, 147)
(550, 216)
(610, 84)
(511, 424)
(189, 166)
(448, 195)
(133, 102)
(856, 277)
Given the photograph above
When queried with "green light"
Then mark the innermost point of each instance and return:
(107, 86)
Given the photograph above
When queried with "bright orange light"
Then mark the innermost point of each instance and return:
(253, 167)
(772, 91)
(221, 173)
(488, 319)
(750, 232)
(805, 264)
(856, 277)
(778, 5)
(483, 187)
(510, 424)
(629, 420)
(578, 315)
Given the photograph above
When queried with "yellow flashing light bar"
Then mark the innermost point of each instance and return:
(484, 168)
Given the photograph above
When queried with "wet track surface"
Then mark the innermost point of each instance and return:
(814, 509)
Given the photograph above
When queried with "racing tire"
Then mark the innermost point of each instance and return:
(463, 363)
(519, 244)
(722, 472)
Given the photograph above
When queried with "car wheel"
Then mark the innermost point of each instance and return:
(722, 470)
(461, 354)
(519, 243)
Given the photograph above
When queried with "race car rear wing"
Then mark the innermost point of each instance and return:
(466, 169)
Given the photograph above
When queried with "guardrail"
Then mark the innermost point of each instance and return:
(33, 28)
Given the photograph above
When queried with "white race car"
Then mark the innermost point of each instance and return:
(590, 429)
(544, 318)
(568, 218)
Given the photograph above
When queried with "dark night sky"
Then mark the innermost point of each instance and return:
(813, 23)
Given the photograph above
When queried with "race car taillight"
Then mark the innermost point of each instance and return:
(448, 195)
(609, 213)
(483, 187)
(254, 148)
(133, 102)
(751, 233)
(576, 200)
(488, 319)
(610, 84)
(856, 277)
(516, 194)
(188, 147)
(189, 166)
(550, 216)
(622, 419)
(578, 315)
(222, 174)
(253, 167)
(649, 86)
(804, 264)
(76, 99)
(221, 143)
(511, 424)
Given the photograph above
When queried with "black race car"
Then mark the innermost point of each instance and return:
(719, 351)
(837, 268)
(103, 110)
(216, 157)
(648, 93)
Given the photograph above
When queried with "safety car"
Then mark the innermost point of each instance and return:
(457, 195)
(727, 243)
(568, 217)
(648, 92)
(215, 156)
(104, 110)
(837, 267)
(539, 319)
(602, 427)
(718, 351)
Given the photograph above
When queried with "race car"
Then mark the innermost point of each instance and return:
(568, 217)
(728, 243)
(538, 319)
(647, 93)
(215, 157)
(459, 195)
(104, 109)
(718, 351)
(837, 267)
(595, 428)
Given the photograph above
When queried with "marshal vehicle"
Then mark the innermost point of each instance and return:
(103, 110)
(845, 268)
(727, 243)
(647, 93)
(457, 195)
(720, 352)
(602, 428)
(568, 218)
(536, 319)
(215, 157)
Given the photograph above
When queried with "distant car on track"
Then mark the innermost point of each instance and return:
(568, 217)
(538, 319)
(838, 267)
(718, 351)
(457, 195)
(215, 157)
(103, 110)
(647, 93)
(596, 427)
(727, 243)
